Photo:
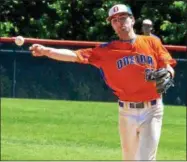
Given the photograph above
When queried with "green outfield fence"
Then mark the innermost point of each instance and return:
(23, 76)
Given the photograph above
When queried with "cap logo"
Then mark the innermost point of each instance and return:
(115, 9)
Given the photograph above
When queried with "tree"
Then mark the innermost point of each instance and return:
(169, 18)
(86, 20)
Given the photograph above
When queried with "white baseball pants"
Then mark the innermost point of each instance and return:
(140, 129)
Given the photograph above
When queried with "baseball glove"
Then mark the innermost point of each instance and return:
(163, 79)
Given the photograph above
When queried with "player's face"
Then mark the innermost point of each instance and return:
(122, 23)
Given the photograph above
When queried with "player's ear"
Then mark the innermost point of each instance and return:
(133, 20)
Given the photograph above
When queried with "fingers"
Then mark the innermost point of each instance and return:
(35, 54)
(36, 49)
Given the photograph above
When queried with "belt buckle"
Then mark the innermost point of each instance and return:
(140, 105)
(136, 105)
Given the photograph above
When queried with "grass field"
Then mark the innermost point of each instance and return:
(64, 130)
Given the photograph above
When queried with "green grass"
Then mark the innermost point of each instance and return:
(64, 130)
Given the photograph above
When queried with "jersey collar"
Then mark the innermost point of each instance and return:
(130, 40)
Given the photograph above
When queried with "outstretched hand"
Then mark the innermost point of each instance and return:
(38, 50)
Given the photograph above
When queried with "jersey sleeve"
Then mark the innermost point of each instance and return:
(163, 55)
(88, 56)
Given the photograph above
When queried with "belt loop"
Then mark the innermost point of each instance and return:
(149, 104)
(156, 102)
(146, 104)
(126, 105)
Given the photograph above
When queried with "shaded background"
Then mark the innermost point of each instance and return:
(23, 76)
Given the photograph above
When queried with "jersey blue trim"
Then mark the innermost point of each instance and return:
(104, 44)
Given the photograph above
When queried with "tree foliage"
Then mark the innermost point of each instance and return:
(86, 20)
(170, 20)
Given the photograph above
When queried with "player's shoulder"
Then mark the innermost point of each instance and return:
(149, 39)
(155, 36)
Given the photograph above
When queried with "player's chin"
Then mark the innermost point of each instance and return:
(124, 29)
(123, 32)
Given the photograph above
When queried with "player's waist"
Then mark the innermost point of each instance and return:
(146, 104)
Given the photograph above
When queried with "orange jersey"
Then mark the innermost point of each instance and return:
(124, 64)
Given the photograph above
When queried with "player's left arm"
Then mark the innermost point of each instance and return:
(164, 58)
(164, 74)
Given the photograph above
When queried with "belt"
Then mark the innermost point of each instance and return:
(138, 105)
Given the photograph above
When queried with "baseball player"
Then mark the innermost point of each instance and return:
(138, 69)
(147, 27)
